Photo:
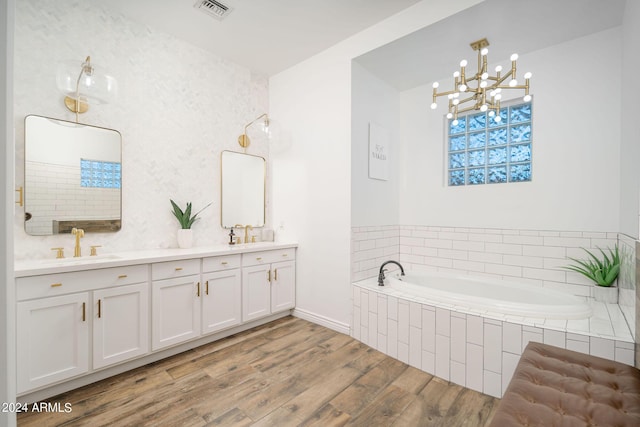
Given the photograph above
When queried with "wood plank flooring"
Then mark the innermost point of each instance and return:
(287, 373)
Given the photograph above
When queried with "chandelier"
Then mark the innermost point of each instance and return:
(484, 91)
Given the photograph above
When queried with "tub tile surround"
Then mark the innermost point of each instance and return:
(478, 350)
(530, 256)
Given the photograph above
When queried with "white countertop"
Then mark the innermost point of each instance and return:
(35, 267)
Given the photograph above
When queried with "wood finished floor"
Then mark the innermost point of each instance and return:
(287, 373)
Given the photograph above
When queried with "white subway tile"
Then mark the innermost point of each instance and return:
(485, 257)
(602, 347)
(442, 357)
(580, 346)
(423, 251)
(545, 251)
(429, 330)
(412, 241)
(443, 322)
(475, 367)
(392, 338)
(356, 296)
(373, 302)
(509, 363)
(572, 242)
(475, 330)
(382, 314)
(512, 338)
(438, 262)
(382, 343)
(482, 237)
(403, 322)
(523, 261)
(355, 328)
(538, 273)
(437, 243)
(428, 362)
(503, 248)
(373, 330)
(472, 266)
(458, 339)
(492, 384)
(458, 373)
(624, 355)
(415, 347)
(403, 352)
(453, 235)
(492, 348)
(415, 314)
(504, 270)
(556, 338)
(392, 308)
(467, 245)
(523, 240)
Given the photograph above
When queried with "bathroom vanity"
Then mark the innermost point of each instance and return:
(80, 320)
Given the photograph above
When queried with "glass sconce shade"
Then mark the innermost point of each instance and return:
(86, 82)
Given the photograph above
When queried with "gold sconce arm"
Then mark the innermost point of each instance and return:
(243, 139)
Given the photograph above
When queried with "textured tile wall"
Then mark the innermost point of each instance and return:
(178, 108)
(469, 350)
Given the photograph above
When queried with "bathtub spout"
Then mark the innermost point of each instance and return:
(382, 270)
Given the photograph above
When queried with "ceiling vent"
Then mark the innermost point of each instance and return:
(213, 8)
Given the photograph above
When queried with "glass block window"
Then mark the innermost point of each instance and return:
(99, 174)
(481, 150)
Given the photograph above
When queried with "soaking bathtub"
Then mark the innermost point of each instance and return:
(492, 295)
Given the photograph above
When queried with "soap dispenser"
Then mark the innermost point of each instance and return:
(232, 241)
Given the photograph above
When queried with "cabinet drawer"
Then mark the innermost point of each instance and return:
(220, 263)
(171, 269)
(267, 257)
(79, 281)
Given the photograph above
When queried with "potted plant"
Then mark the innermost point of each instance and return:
(186, 220)
(603, 271)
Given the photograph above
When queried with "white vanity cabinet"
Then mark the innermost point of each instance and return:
(222, 293)
(56, 316)
(268, 283)
(175, 302)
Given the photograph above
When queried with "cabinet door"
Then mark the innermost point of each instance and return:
(175, 306)
(283, 286)
(120, 324)
(256, 292)
(221, 300)
(53, 340)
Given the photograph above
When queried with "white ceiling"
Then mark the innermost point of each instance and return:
(511, 26)
(265, 36)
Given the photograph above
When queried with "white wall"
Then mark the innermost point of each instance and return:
(311, 188)
(630, 142)
(7, 291)
(178, 107)
(576, 149)
(373, 201)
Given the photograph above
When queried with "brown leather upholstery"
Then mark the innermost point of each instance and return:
(557, 387)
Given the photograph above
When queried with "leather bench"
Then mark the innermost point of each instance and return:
(557, 387)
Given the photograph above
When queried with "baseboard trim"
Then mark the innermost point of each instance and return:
(322, 320)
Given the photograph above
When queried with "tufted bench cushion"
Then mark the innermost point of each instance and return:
(557, 387)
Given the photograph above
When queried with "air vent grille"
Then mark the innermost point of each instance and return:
(213, 8)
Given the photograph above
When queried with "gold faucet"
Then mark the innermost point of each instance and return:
(78, 232)
(246, 233)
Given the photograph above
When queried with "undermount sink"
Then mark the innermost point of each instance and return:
(80, 260)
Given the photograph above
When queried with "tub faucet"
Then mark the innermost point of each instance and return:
(382, 270)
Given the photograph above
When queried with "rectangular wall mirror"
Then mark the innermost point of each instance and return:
(243, 189)
(73, 177)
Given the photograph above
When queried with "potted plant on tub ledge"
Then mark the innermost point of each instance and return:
(603, 271)
(186, 220)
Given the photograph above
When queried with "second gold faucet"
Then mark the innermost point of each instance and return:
(79, 233)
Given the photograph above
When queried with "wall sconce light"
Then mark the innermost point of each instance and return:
(244, 140)
(91, 86)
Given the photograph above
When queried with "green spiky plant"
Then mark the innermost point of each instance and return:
(603, 271)
(184, 217)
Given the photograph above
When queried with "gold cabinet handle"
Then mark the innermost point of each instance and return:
(198, 292)
(207, 287)
(178, 268)
(224, 263)
(275, 273)
(122, 276)
(269, 276)
(20, 201)
(99, 309)
(56, 285)
(285, 255)
(84, 312)
(259, 259)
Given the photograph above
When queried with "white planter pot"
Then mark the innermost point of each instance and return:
(185, 238)
(605, 294)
